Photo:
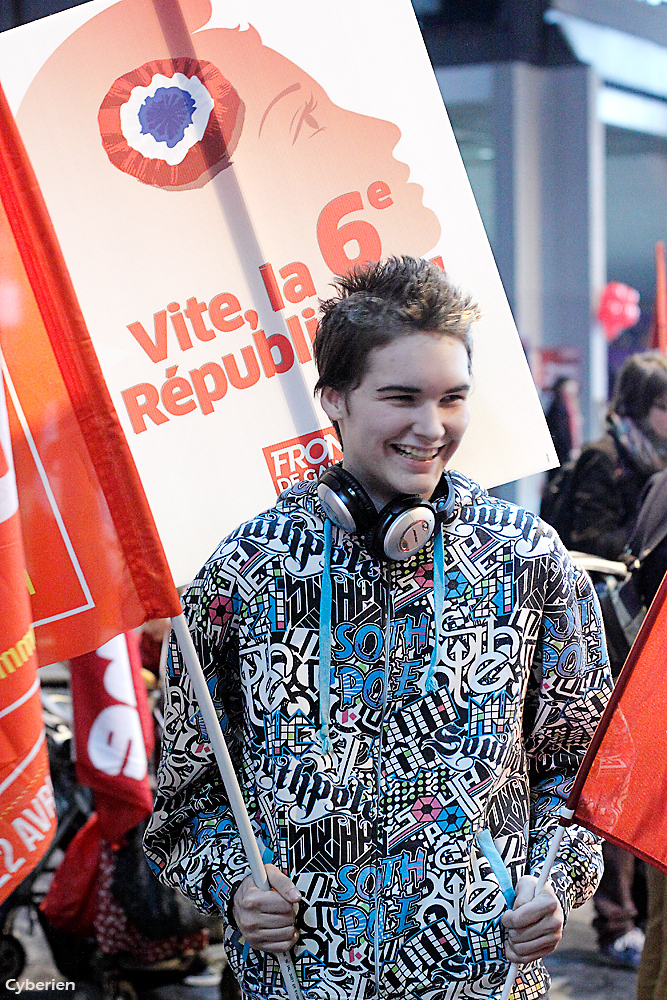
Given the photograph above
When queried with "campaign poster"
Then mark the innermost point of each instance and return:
(209, 168)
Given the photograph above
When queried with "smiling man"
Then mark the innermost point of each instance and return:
(408, 671)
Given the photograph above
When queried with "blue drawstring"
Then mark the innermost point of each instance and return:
(498, 866)
(438, 604)
(325, 642)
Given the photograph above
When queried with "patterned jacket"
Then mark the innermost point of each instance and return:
(378, 826)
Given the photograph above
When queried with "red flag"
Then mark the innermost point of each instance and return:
(27, 809)
(94, 558)
(71, 902)
(95, 565)
(621, 789)
(658, 334)
(113, 733)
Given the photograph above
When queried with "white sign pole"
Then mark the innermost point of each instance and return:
(566, 815)
(231, 783)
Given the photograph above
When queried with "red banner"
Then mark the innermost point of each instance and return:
(658, 334)
(113, 733)
(27, 809)
(92, 565)
(95, 563)
(622, 784)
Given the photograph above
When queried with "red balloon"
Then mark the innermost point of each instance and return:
(618, 309)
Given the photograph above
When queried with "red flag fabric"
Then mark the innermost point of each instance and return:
(71, 902)
(113, 734)
(658, 334)
(621, 788)
(95, 562)
(27, 809)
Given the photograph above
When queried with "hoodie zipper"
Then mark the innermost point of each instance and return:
(378, 776)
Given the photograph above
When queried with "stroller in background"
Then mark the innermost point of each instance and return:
(73, 808)
(104, 976)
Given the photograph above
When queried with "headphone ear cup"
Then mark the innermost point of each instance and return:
(403, 527)
(345, 500)
(400, 529)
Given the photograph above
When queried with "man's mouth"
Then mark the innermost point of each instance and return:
(421, 454)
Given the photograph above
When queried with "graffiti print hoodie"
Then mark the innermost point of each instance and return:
(379, 756)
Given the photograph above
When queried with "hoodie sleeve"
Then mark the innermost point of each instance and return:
(192, 842)
(568, 690)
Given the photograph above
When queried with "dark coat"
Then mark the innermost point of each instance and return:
(607, 490)
(649, 538)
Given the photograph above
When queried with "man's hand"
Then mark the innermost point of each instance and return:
(535, 923)
(266, 919)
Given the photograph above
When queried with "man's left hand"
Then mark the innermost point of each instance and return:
(535, 923)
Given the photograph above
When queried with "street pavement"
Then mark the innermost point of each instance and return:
(575, 970)
(577, 973)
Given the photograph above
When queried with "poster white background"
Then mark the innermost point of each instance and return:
(204, 474)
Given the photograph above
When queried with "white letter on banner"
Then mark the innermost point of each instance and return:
(116, 743)
(118, 674)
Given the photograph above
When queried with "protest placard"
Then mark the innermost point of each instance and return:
(208, 169)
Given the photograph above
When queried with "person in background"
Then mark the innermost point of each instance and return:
(608, 483)
(610, 474)
(564, 420)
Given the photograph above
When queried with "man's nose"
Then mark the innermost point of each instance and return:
(428, 423)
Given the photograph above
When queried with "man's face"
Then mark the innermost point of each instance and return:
(406, 419)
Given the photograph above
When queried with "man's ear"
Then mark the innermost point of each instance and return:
(333, 403)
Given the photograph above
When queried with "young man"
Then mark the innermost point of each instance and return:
(408, 688)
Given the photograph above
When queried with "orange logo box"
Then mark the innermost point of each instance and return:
(302, 458)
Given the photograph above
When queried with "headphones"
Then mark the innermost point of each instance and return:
(400, 529)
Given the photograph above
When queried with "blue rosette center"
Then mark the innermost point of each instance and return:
(167, 114)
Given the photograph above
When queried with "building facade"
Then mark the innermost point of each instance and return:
(560, 110)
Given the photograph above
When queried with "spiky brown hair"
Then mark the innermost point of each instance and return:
(378, 303)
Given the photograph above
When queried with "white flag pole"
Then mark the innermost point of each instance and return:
(231, 783)
(565, 818)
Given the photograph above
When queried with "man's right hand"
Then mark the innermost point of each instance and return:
(266, 919)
